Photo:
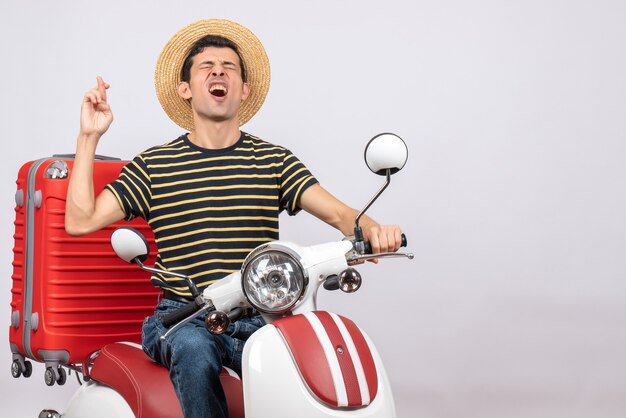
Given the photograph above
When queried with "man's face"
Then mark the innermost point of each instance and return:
(215, 88)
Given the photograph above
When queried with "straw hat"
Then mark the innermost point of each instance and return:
(170, 63)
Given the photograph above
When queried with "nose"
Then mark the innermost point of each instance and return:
(218, 70)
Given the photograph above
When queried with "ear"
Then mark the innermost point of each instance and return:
(246, 91)
(183, 90)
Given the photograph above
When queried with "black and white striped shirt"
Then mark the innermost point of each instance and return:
(209, 208)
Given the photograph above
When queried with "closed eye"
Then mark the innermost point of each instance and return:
(210, 64)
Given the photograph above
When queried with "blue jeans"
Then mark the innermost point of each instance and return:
(195, 357)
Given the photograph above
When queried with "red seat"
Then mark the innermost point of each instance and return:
(146, 386)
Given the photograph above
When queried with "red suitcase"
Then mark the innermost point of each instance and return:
(70, 295)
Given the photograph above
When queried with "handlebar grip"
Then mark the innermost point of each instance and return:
(179, 314)
(368, 246)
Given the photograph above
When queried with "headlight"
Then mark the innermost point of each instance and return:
(273, 279)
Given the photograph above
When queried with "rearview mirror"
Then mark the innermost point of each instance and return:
(385, 155)
(384, 152)
(130, 245)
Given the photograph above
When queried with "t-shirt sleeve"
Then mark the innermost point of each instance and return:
(132, 189)
(295, 178)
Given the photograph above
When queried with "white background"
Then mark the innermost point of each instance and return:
(513, 197)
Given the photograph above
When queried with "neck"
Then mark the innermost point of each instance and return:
(215, 135)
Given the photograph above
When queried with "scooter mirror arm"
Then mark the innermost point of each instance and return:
(358, 232)
(192, 286)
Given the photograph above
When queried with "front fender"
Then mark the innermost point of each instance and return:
(314, 365)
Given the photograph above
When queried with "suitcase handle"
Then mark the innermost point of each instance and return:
(97, 157)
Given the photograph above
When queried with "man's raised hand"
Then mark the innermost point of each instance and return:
(95, 113)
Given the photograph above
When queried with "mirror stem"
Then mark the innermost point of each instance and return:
(192, 286)
(358, 233)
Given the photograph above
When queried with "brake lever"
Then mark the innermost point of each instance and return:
(361, 258)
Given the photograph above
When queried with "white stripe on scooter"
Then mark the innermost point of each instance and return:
(231, 372)
(331, 357)
(356, 360)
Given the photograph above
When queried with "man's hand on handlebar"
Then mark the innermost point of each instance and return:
(383, 238)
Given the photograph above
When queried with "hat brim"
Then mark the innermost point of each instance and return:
(167, 74)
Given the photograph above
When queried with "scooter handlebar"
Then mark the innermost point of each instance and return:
(181, 313)
(368, 246)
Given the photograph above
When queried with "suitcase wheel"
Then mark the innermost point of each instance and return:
(16, 369)
(50, 377)
(28, 369)
(62, 378)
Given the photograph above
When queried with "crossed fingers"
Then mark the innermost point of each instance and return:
(98, 95)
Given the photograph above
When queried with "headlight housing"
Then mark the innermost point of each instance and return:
(273, 279)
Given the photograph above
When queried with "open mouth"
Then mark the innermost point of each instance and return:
(218, 90)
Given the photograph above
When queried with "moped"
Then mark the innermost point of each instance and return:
(304, 363)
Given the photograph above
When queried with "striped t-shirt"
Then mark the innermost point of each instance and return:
(209, 208)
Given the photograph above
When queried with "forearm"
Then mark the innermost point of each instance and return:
(323, 205)
(331, 210)
(81, 203)
(84, 213)
(345, 218)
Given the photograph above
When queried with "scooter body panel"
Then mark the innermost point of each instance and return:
(274, 387)
(95, 400)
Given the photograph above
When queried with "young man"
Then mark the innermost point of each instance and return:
(210, 196)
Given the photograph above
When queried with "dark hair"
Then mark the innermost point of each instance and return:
(210, 41)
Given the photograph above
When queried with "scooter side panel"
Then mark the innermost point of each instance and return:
(97, 401)
(274, 387)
